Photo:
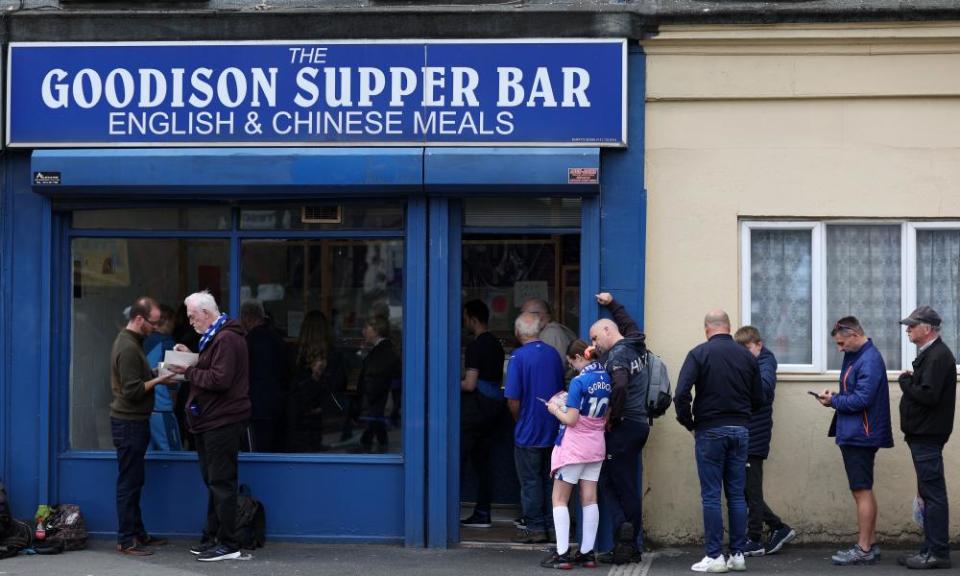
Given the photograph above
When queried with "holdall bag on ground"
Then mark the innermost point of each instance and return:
(251, 528)
(66, 529)
(659, 396)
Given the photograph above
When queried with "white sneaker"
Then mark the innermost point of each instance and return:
(736, 563)
(709, 564)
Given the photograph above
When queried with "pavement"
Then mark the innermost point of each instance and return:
(296, 559)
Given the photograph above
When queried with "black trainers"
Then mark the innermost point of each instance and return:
(558, 561)
(588, 560)
(477, 520)
(624, 553)
(221, 552)
(203, 546)
(779, 537)
(753, 548)
(527, 536)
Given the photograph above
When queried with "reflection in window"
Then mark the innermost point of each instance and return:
(338, 307)
(108, 275)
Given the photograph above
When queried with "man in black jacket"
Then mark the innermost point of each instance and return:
(726, 378)
(621, 479)
(926, 418)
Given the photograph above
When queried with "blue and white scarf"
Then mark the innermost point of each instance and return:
(212, 331)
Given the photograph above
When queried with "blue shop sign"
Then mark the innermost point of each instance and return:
(434, 93)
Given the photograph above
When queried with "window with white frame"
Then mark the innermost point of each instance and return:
(800, 277)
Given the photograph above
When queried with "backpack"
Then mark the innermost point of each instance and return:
(66, 530)
(251, 526)
(659, 396)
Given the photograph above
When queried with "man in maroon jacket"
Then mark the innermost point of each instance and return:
(218, 408)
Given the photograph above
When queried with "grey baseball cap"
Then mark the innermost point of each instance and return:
(922, 315)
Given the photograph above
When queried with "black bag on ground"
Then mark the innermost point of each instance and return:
(251, 524)
(66, 530)
(6, 520)
(19, 537)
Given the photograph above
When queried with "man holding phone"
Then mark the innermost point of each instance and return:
(861, 425)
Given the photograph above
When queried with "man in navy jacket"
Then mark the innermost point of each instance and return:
(861, 425)
(926, 419)
(726, 378)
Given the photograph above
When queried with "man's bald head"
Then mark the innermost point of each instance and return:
(716, 322)
(604, 334)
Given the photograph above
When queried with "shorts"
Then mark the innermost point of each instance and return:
(574, 473)
(858, 462)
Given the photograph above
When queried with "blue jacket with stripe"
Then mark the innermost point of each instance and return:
(863, 402)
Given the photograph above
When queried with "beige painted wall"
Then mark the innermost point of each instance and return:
(787, 122)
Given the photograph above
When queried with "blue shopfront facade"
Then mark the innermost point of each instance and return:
(427, 124)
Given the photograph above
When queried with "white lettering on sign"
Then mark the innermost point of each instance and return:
(326, 87)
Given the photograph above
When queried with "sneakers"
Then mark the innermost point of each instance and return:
(221, 552)
(624, 553)
(588, 560)
(558, 561)
(753, 548)
(876, 550)
(736, 563)
(477, 520)
(203, 546)
(925, 560)
(854, 556)
(133, 550)
(713, 565)
(527, 536)
(779, 537)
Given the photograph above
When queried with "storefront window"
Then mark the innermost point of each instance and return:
(378, 215)
(337, 306)
(154, 218)
(108, 275)
(324, 317)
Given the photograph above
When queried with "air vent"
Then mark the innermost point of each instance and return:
(322, 214)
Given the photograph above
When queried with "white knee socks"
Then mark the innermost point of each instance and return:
(591, 520)
(561, 523)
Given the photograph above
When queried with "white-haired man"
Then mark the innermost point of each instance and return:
(218, 408)
(534, 375)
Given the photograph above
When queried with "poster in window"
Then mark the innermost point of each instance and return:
(102, 262)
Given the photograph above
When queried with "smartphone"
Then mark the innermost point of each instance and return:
(814, 394)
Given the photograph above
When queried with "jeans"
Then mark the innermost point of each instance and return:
(217, 451)
(722, 463)
(758, 511)
(130, 438)
(928, 462)
(621, 478)
(536, 488)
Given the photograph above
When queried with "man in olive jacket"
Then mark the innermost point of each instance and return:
(926, 418)
(132, 383)
(218, 408)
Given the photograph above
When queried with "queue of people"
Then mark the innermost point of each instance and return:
(589, 434)
(593, 433)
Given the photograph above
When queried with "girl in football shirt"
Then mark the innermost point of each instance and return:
(579, 453)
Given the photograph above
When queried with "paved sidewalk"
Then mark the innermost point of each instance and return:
(297, 559)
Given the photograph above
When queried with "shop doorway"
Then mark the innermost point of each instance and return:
(503, 268)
